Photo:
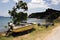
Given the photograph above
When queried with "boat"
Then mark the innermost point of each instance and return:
(22, 27)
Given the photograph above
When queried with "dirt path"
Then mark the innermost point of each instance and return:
(55, 35)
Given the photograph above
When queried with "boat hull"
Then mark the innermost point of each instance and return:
(22, 29)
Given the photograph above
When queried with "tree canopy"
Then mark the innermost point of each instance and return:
(18, 16)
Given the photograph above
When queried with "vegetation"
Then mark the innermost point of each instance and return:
(40, 32)
(49, 14)
(17, 17)
(57, 20)
(6, 38)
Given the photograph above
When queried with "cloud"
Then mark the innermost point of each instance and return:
(16, 0)
(55, 2)
(5, 1)
(38, 1)
(37, 4)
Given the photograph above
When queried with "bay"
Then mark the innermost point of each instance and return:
(4, 22)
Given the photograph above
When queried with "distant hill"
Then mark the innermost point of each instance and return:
(48, 14)
(4, 17)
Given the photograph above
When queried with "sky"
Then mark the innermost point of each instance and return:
(33, 5)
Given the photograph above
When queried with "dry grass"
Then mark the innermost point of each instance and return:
(39, 33)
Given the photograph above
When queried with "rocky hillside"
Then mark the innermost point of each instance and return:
(48, 14)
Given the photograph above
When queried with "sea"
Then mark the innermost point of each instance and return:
(4, 22)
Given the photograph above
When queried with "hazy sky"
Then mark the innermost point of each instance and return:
(33, 5)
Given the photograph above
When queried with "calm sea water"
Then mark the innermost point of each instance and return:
(3, 22)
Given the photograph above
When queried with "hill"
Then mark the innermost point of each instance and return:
(50, 14)
(4, 17)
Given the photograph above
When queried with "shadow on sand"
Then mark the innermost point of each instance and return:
(22, 33)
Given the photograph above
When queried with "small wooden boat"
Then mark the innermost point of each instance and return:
(22, 27)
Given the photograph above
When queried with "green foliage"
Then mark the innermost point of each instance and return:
(54, 15)
(49, 14)
(5, 38)
(19, 16)
(21, 5)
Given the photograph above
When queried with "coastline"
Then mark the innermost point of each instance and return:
(39, 33)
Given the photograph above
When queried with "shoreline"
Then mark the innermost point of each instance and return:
(40, 32)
